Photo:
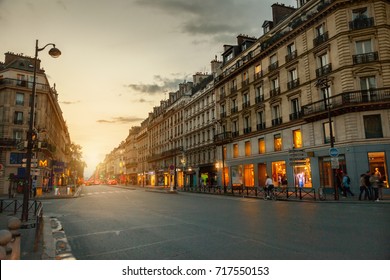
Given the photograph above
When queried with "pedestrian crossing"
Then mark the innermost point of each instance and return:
(102, 193)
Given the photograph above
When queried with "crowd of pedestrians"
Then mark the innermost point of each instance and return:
(371, 185)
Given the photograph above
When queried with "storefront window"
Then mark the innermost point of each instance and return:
(237, 179)
(326, 172)
(377, 164)
(278, 172)
(302, 175)
(249, 175)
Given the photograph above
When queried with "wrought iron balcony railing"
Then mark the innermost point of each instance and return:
(355, 101)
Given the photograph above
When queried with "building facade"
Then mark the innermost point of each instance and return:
(306, 102)
(323, 67)
(51, 148)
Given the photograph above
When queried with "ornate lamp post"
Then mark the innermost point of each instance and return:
(324, 83)
(54, 52)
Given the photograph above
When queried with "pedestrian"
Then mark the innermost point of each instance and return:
(269, 185)
(347, 185)
(374, 180)
(363, 188)
(381, 184)
(368, 185)
(284, 183)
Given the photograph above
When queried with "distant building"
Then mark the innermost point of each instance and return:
(51, 148)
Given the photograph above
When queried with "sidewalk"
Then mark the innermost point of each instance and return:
(45, 241)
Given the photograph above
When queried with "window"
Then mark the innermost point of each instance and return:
(249, 180)
(276, 118)
(258, 72)
(273, 62)
(261, 146)
(18, 118)
(277, 142)
(295, 110)
(326, 128)
(275, 90)
(235, 150)
(259, 94)
(245, 100)
(297, 138)
(363, 46)
(293, 80)
(247, 125)
(359, 13)
(260, 120)
(18, 134)
(247, 148)
(19, 98)
(320, 30)
(235, 128)
(367, 85)
(323, 60)
(234, 106)
(291, 52)
(373, 126)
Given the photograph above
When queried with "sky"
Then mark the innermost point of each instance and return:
(120, 58)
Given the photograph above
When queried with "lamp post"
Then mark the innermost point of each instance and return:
(324, 83)
(54, 52)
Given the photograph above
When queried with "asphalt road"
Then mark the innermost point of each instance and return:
(114, 223)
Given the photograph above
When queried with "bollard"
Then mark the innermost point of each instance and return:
(5, 238)
(14, 225)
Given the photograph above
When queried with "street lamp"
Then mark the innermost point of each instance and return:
(54, 52)
(324, 83)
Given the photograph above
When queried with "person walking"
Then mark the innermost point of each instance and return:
(374, 180)
(363, 188)
(269, 185)
(368, 185)
(347, 185)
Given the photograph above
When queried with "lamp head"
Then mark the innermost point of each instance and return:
(54, 52)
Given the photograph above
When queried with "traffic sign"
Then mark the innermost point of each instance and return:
(333, 152)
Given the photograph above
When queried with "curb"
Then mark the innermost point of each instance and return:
(55, 243)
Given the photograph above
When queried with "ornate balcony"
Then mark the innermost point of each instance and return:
(355, 101)
(365, 57)
(223, 138)
(361, 23)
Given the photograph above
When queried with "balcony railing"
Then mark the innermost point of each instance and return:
(247, 130)
(361, 22)
(234, 109)
(259, 99)
(291, 56)
(235, 134)
(233, 89)
(295, 116)
(258, 75)
(4, 82)
(373, 99)
(365, 57)
(324, 70)
(246, 104)
(223, 115)
(274, 92)
(245, 83)
(273, 66)
(277, 121)
(321, 39)
(260, 126)
(223, 137)
(293, 84)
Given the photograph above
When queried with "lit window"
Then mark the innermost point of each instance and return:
(277, 142)
(235, 150)
(261, 144)
(297, 138)
(247, 148)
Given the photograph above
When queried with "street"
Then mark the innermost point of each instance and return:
(117, 223)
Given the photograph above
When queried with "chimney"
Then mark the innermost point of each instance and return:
(280, 12)
(215, 65)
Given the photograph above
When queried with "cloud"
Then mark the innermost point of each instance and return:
(217, 19)
(121, 120)
(160, 85)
